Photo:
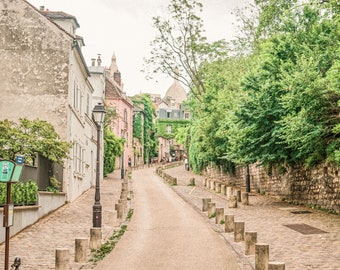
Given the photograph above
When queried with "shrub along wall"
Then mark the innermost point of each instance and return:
(319, 187)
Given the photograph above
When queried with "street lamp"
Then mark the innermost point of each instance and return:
(122, 172)
(98, 115)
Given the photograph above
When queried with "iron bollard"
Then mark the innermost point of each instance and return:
(16, 264)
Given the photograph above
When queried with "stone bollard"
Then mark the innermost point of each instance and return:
(120, 210)
(229, 223)
(276, 266)
(205, 202)
(223, 190)
(218, 188)
(81, 247)
(123, 195)
(219, 219)
(250, 241)
(211, 209)
(123, 202)
(62, 259)
(245, 198)
(212, 184)
(124, 186)
(238, 231)
(229, 192)
(232, 203)
(261, 256)
(192, 182)
(238, 195)
(95, 238)
(174, 182)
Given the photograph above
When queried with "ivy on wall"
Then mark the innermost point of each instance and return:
(162, 127)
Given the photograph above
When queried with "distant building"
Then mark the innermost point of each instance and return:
(172, 105)
(172, 113)
(116, 99)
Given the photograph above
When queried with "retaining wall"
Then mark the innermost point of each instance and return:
(319, 187)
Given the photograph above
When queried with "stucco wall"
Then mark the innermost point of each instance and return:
(34, 60)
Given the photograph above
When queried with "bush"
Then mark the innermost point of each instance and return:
(21, 193)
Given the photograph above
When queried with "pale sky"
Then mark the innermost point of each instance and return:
(124, 27)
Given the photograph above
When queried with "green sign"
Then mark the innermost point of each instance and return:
(6, 170)
(17, 173)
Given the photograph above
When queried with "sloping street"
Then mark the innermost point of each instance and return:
(166, 233)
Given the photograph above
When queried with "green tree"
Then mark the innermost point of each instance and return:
(29, 138)
(149, 139)
(289, 113)
(113, 147)
(180, 46)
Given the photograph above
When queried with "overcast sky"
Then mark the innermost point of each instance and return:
(124, 27)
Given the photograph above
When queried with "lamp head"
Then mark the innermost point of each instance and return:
(98, 114)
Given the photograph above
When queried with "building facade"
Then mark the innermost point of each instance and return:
(45, 77)
(117, 100)
(172, 113)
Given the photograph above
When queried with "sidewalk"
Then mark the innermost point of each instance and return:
(36, 244)
(268, 216)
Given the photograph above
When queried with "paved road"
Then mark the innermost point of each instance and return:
(268, 216)
(166, 233)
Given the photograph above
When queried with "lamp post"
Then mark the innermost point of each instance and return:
(247, 179)
(98, 115)
(122, 173)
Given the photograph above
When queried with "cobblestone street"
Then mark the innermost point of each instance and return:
(266, 215)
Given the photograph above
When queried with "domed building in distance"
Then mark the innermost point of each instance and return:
(172, 105)
(172, 113)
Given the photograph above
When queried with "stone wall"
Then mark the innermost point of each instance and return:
(319, 187)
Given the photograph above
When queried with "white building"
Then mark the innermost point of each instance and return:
(44, 76)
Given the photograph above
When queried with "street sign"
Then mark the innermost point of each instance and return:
(17, 173)
(6, 170)
(19, 160)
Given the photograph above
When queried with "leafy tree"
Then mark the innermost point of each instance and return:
(180, 46)
(138, 131)
(289, 113)
(211, 122)
(29, 138)
(113, 147)
(150, 141)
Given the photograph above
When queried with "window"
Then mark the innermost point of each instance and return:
(77, 98)
(168, 129)
(125, 115)
(88, 104)
(186, 115)
(78, 158)
(168, 114)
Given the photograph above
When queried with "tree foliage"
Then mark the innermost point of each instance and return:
(113, 147)
(181, 47)
(276, 104)
(149, 139)
(29, 138)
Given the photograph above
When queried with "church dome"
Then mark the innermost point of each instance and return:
(177, 92)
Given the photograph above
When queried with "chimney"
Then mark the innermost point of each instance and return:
(93, 62)
(42, 8)
(99, 61)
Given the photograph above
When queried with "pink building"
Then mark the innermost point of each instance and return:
(117, 101)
